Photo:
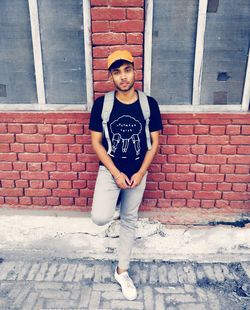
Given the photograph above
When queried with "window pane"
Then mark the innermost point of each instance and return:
(61, 24)
(17, 77)
(173, 49)
(225, 52)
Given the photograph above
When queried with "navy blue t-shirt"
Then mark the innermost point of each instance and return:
(127, 132)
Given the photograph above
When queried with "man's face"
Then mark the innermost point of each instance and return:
(123, 77)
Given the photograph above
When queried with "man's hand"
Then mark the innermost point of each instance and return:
(136, 179)
(123, 181)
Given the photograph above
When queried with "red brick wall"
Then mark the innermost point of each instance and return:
(46, 161)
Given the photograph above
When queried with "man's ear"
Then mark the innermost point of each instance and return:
(110, 76)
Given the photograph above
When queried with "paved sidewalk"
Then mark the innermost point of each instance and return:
(89, 284)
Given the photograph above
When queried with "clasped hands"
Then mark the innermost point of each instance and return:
(124, 182)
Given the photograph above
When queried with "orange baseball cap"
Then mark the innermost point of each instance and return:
(120, 55)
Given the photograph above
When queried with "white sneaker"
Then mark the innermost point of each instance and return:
(128, 289)
(116, 215)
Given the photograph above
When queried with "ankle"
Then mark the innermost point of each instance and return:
(120, 270)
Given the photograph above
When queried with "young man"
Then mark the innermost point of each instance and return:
(124, 159)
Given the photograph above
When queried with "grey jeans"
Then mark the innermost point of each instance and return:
(103, 208)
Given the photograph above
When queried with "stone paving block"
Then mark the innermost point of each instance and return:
(135, 273)
(188, 288)
(21, 296)
(106, 287)
(23, 272)
(148, 298)
(153, 274)
(189, 270)
(70, 273)
(85, 297)
(192, 307)
(162, 274)
(5, 268)
(200, 272)
(89, 273)
(202, 295)
(246, 267)
(135, 305)
(16, 289)
(112, 295)
(48, 285)
(209, 272)
(218, 273)
(13, 274)
(227, 273)
(60, 273)
(43, 270)
(159, 302)
(182, 276)
(213, 301)
(95, 299)
(79, 273)
(75, 294)
(55, 294)
(179, 298)
(170, 290)
(172, 275)
(33, 271)
(60, 304)
(51, 272)
(2, 303)
(144, 275)
(30, 301)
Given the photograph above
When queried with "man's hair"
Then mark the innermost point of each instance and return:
(117, 64)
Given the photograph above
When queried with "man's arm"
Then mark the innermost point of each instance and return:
(137, 177)
(121, 179)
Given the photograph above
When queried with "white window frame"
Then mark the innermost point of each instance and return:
(196, 105)
(38, 63)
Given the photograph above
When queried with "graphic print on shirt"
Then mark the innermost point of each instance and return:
(125, 129)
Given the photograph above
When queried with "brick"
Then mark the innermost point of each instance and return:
(198, 149)
(17, 147)
(154, 194)
(9, 175)
(60, 139)
(60, 129)
(7, 138)
(240, 140)
(100, 64)
(242, 169)
(213, 169)
(182, 159)
(65, 192)
(228, 149)
(209, 186)
(239, 187)
(78, 167)
(167, 149)
(99, 2)
(213, 149)
(238, 159)
(37, 192)
(109, 13)
(185, 129)
(108, 39)
(207, 204)
(179, 194)
(243, 149)
(237, 178)
(193, 203)
(182, 139)
(63, 176)
(197, 168)
(227, 168)
(25, 201)
(31, 148)
(180, 177)
(11, 200)
(64, 184)
(75, 148)
(44, 128)
(127, 3)
(103, 86)
(63, 167)
(8, 192)
(127, 26)
(6, 166)
(182, 168)
(100, 75)
(213, 140)
(134, 38)
(201, 129)
(170, 130)
(29, 138)
(100, 26)
(233, 129)
(36, 184)
(14, 128)
(46, 148)
(62, 157)
(245, 130)
(212, 159)
(137, 13)
(207, 195)
(191, 186)
(217, 130)
(8, 157)
(236, 196)
(225, 186)
(30, 175)
(3, 128)
(49, 166)
(52, 201)
(21, 183)
(32, 157)
(182, 149)
(29, 128)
